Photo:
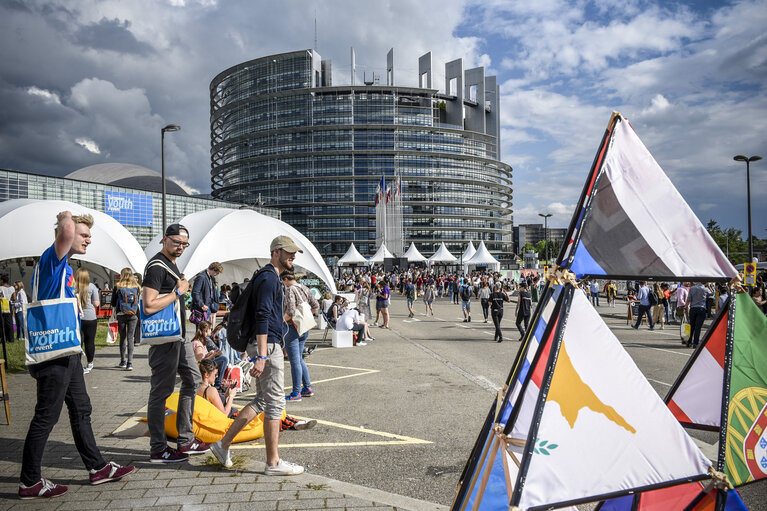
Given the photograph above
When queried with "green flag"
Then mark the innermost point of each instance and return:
(746, 453)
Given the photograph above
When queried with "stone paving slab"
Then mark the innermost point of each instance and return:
(116, 396)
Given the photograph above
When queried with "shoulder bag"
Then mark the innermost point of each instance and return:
(303, 317)
(164, 325)
(52, 326)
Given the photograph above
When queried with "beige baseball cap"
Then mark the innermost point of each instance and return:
(286, 243)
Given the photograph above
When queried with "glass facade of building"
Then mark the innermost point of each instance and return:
(139, 211)
(281, 136)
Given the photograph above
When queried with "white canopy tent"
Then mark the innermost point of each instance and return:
(27, 227)
(352, 257)
(239, 239)
(482, 257)
(468, 253)
(381, 254)
(443, 256)
(413, 255)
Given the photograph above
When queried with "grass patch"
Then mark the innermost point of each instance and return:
(16, 349)
(313, 486)
(238, 462)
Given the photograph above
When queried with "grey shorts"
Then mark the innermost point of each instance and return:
(270, 391)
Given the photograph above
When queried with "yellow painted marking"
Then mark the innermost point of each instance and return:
(396, 439)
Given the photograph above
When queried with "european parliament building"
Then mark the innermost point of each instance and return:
(284, 136)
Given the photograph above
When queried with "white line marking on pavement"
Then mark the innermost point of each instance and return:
(638, 345)
(659, 382)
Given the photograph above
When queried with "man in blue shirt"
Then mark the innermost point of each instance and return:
(61, 380)
(643, 295)
(268, 368)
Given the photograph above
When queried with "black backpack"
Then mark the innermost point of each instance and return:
(653, 298)
(466, 293)
(240, 330)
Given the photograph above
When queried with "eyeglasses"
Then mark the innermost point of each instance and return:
(179, 243)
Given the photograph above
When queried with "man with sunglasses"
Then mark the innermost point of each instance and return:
(161, 289)
(268, 368)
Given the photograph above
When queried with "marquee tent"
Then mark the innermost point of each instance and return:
(413, 255)
(381, 254)
(482, 257)
(443, 256)
(469, 252)
(27, 226)
(239, 239)
(352, 257)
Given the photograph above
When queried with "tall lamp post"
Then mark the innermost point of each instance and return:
(546, 232)
(748, 161)
(169, 127)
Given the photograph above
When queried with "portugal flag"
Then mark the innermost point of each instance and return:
(746, 450)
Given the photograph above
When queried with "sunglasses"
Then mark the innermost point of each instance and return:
(179, 243)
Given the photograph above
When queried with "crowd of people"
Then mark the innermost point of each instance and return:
(280, 306)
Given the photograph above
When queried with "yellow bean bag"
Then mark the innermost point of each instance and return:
(210, 423)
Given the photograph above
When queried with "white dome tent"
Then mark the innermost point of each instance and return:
(482, 257)
(381, 254)
(239, 239)
(352, 257)
(413, 255)
(468, 253)
(112, 246)
(443, 256)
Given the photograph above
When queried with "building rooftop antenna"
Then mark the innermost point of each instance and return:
(315, 30)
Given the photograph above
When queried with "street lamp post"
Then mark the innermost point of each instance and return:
(748, 161)
(169, 127)
(546, 232)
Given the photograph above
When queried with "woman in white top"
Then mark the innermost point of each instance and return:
(88, 299)
(18, 309)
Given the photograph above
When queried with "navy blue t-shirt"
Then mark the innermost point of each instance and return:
(51, 270)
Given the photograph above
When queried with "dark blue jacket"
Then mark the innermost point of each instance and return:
(203, 293)
(268, 296)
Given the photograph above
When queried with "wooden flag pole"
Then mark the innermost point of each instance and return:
(4, 389)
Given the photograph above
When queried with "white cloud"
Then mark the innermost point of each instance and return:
(88, 145)
(45, 94)
(183, 184)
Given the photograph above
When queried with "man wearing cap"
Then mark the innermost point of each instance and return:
(163, 285)
(268, 368)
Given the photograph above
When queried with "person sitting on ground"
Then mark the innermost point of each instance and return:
(351, 321)
(200, 346)
(221, 400)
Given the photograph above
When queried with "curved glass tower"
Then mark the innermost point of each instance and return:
(283, 136)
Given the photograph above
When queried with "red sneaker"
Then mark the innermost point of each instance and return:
(43, 489)
(168, 455)
(111, 472)
(194, 447)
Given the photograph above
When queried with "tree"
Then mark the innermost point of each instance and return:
(730, 241)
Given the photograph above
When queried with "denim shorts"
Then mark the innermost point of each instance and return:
(466, 305)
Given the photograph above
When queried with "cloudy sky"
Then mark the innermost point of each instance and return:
(93, 81)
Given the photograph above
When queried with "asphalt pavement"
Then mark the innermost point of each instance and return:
(396, 422)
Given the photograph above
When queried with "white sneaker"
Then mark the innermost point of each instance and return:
(221, 455)
(284, 468)
(87, 369)
(361, 343)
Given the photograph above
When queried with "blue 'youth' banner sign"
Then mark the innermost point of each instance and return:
(129, 208)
